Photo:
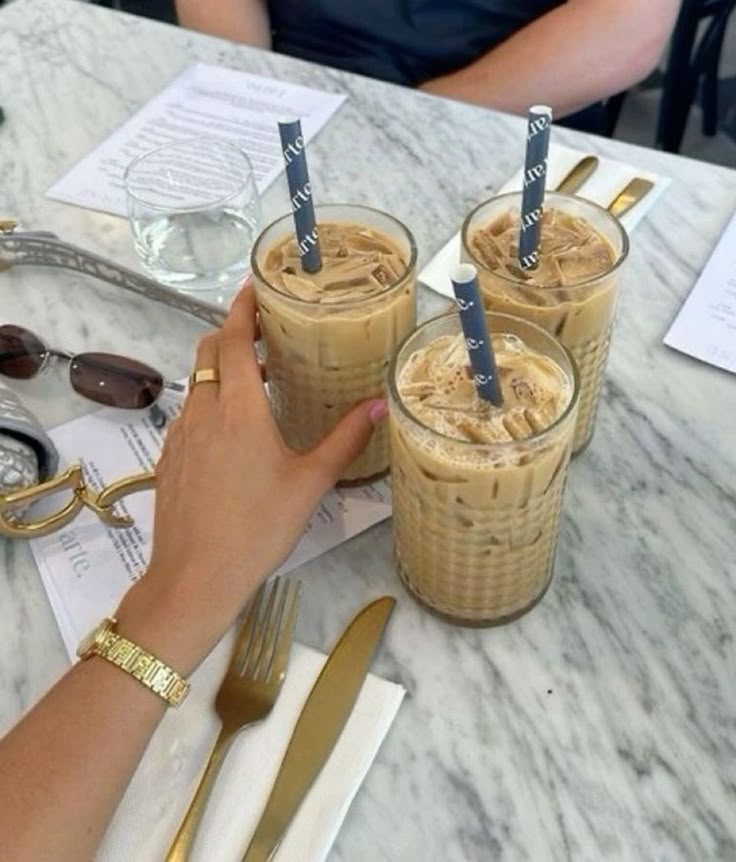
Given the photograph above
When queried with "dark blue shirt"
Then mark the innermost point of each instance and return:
(404, 41)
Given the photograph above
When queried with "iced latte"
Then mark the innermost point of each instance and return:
(573, 291)
(329, 335)
(477, 489)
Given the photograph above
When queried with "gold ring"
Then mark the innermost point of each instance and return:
(204, 375)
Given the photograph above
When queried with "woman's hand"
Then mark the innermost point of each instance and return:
(232, 499)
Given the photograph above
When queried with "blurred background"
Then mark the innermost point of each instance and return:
(687, 106)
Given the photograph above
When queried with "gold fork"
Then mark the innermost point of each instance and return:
(249, 689)
(578, 175)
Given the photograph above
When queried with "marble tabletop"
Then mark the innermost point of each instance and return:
(601, 726)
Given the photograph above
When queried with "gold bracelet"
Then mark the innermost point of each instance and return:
(140, 664)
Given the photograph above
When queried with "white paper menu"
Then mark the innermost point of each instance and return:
(204, 101)
(706, 325)
(87, 567)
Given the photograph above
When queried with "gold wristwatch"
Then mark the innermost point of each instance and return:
(146, 668)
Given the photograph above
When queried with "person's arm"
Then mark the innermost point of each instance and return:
(239, 20)
(231, 502)
(577, 54)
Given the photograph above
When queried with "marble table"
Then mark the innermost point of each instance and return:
(602, 726)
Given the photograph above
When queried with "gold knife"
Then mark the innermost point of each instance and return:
(630, 196)
(320, 724)
(578, 175)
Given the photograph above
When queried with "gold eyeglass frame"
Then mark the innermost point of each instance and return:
(101, 502)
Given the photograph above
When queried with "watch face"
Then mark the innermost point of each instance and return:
(86, 647)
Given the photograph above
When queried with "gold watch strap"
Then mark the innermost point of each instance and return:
(145, 667)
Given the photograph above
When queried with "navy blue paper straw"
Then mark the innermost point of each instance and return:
(539, 123)
(300, 191)
(475, 330)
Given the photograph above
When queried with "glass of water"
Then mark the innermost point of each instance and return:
(194, 212)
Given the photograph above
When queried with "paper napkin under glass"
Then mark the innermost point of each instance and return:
(167, 777)
(609, 178)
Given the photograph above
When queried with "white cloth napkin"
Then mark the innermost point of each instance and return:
(602, 186)
(165, 781)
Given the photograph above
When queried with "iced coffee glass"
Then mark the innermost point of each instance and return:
(477, 490)
(572, 293)
(329, 336)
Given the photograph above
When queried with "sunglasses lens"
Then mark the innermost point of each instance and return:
(115, 381)
(21, 354)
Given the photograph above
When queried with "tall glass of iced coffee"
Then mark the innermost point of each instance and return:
(329, 335)
(477, 489)
(573, 291)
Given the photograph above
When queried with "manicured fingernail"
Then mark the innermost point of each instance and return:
(378, 410)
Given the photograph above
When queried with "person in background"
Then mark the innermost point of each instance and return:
(231, 502)
(503, 54)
